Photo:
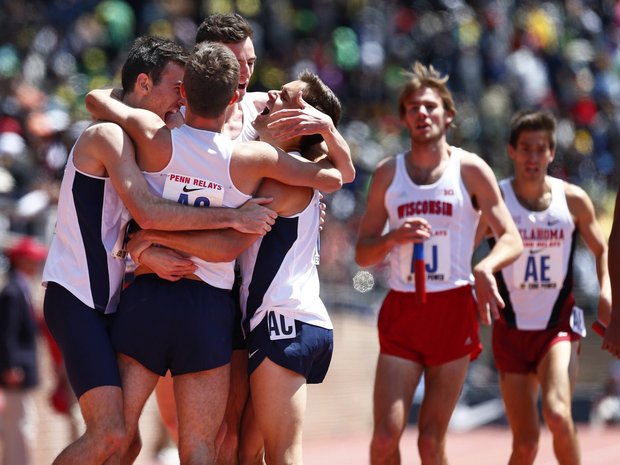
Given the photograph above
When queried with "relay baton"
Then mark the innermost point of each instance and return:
(419, 269)
(599, 328)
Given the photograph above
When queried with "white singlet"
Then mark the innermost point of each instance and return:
(86, 255)
(447, 206)
(536, 286)
(198, 175)
(279, 271)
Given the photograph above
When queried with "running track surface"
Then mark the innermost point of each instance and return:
(483, 446)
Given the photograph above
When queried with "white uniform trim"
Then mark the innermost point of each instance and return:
(85, 256)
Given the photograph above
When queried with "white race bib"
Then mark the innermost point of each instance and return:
(436, 258)
(193, 191)
(280, 326)
(539, 268)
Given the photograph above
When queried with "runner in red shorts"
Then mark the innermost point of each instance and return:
(434, 193)
(536, 340)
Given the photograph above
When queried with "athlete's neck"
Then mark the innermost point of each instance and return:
(426, 163)
(205, 124)
(532, 195)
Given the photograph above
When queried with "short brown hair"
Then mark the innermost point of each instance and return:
(211, 78)
(227, 28)
(426, 76)
(532, 120)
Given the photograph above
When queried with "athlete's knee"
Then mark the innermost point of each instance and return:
(558, 418)
(526, 449)
(110, 439)
(430, 447)
(384, 442)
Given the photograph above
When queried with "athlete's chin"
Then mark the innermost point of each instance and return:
(425, 139)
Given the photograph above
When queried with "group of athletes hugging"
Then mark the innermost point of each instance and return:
(223, 318)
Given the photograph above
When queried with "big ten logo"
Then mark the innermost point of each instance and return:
(280, 326)
(448, 192)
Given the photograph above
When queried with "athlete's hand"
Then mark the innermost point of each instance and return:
(167, 263)
(322, 212)
(611, 341)
(603, 313)
(490, 301)
(303, 121)
(414, 230)
(254, 217)
(137, 244)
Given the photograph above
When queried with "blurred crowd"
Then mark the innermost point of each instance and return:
(501, 55)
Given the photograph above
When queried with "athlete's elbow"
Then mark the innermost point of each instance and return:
(331, 184)
(146, 221)
(349, 175)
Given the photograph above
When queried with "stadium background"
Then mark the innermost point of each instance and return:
(501, 56)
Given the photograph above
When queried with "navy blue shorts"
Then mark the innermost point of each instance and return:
(239, 342)
(300, 347)
(183, 326)
(82, 333)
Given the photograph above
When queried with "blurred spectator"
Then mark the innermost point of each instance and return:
(18, 352)
(606, 409)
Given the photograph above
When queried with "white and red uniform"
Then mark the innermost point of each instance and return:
(537, 287)
(446, 327)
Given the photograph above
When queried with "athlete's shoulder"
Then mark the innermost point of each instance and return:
(471, 160)
(576, 197)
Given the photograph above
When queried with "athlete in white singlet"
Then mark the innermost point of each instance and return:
(434, 194)
(292, 280)
(453, 220)
(210, 68)
(87, 255)
(536, 339)
(85, 266)
(537, 287)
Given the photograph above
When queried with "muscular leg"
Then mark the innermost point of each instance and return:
(279, 401)
(164, 394)
(251, 447)
(102, 409)
(138, 384)
(395, 383)
(228, 453)
(520, 392)
(201, 402)
(442, 389)
(553, 373)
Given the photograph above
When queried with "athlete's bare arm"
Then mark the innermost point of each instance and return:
(307, 120)
(212, 246)
(482, 186)
(582, 209)
(113, 151)
(612, 335)
(253, 161)
(372, 245)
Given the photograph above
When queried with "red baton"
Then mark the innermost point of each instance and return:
(599, 328)
(419, 268)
